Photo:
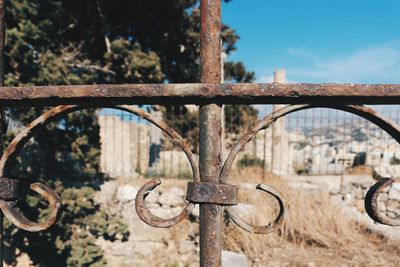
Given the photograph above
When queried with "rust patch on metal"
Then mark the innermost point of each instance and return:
(210, 130)
(210, 91)
(18, 219)
(203, 192)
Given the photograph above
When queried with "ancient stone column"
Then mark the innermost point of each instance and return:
(280, 144)
(155, 137)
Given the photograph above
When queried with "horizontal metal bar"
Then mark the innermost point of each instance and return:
(197, 93)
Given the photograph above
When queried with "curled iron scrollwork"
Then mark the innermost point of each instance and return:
(371, 198)
(140, 201)
(10, 210)
(371, 202)
(17, 217)
(270, 227)
(9, 206)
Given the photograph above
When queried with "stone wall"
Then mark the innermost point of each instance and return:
(388, 201)
(149, 246)
(129, 149)
(125, 146)
(349, 191)
(146, 245)
(171, 163)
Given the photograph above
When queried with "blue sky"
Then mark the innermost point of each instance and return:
(354, 41)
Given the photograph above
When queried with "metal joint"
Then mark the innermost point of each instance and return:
(203, 192)
(9, 188)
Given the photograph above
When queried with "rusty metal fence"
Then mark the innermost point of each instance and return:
(210, 188)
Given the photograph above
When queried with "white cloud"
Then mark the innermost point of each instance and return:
(301, 52)
(373, 64)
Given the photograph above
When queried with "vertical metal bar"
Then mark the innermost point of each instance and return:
(132, 168)
(264, 170)
(289, 151)
(305, 137)
(2, 40)
(139, 148)
(114, 146)
(171, 159)
(181, 133)
(367, 147)
(3, 123)
(210, 133)
(321, 128)
(313, 132)
(121, 141)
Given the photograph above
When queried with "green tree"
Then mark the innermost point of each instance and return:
(52, 42)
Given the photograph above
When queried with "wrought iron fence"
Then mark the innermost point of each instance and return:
(210, 188)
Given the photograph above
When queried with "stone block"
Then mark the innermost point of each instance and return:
(396, 186)
(392, 206)
(360, 205)
(383, 197)
(358, 193)
(106, 193)
(126, 193)
(166, 212)
(382, 206)
(173, 196)
(232, 259)
(186, 246)
(394, 194)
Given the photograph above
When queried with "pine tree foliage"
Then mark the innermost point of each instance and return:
(53, 42)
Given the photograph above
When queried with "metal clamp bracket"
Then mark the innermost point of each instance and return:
(203, 192)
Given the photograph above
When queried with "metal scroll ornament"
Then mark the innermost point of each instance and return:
(202, 192)
(9, 187)
(198, 192)
(371, 198)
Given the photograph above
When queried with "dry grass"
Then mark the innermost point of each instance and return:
(315, 233)
(363, 169)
